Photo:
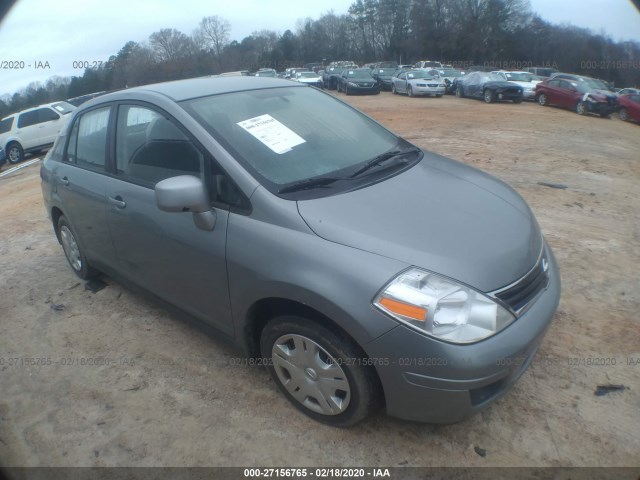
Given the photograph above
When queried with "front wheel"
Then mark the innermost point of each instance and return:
(459, 92)
(15, 153)
(623, 114)
(326, 376)
(393, 89)
(409, 91)
(542, 99)
(488, 96)
(581, 108)
(72, 251)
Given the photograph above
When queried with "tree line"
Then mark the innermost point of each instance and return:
(481, 33)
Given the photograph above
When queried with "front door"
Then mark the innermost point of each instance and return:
(165, 252)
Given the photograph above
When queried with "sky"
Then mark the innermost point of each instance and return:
(50, 36)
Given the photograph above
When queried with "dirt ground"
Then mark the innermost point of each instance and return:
(175, 397)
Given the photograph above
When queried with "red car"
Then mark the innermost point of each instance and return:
(629, 107)
(581, 94)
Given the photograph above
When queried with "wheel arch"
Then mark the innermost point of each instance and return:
(56, 213)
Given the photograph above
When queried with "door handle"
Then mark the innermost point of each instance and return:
(64, 181)
(117, 201)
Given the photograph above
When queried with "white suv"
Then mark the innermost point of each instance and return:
(32, 130)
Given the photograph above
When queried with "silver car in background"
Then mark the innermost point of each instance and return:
(362, 270)
(417, 83)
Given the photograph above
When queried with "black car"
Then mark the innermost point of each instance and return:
(332, 74)
(358, 80)
(383, 76)
(488, 86)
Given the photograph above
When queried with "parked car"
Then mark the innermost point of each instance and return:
(357, 80)
(266, 72)
(628, 91)
(524, 79)
(309, 78)
(32, 130)
(629, 107)
(542, 71)
(427, 64)
(580, 95)
(594, 83)
(449, 77)
(488, 86)
(236, 201)
(383, 76)
(331, 75)
(417, 83)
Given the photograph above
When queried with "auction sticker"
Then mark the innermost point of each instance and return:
(272, 133)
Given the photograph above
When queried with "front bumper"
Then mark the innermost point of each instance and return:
(431, 381)
(418, 90)
(529, 95)
(373, 89)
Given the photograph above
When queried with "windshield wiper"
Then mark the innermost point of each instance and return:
(309, 183)
(375, 161)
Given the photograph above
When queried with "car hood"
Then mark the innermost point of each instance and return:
(362, 81)
(440, 215)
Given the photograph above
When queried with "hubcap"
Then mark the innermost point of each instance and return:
(311, 375)
(71, 249)
(14, 154)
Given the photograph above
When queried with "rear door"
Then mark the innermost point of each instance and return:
(50, 123)
(553, 92)
(165, 252)
(79, 182)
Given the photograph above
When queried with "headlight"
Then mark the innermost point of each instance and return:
(442, 308)
(352, 84)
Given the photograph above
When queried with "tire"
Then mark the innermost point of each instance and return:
(581, 108)
(346, 90)
(325, 385)
(517, 101)
(393, 89)
(72, 251)
(543, 100)
(409, 91)
(623, 114)
(488, 96)
(15, 153)
(459, 93)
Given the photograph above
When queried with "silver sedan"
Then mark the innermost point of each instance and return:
(417, 82)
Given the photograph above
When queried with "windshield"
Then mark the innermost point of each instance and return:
(451, 73)
(273, 134)
(307, 75)
(517, 77)
(362, 74)
(63, 107)
(418, 74)
(386, 71)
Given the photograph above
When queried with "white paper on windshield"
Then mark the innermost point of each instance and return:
(272, 133)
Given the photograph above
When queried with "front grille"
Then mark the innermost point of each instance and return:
(518, 295)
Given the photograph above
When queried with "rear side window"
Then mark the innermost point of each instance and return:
(27, 119)
(5, 125)
(88, 140)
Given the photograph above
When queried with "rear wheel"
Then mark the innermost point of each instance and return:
(318, 372)
(623, 114)
(542, 99)
(72, 251)
(488, 96)
(15, 153)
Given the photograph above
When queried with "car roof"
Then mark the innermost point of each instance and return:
(203, 87)
(35, 108)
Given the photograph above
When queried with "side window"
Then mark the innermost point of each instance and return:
(150, 147)
(27, 119)
(73, 144)
(90, 132)
(47, 115)
(554, 83)
(5, 125)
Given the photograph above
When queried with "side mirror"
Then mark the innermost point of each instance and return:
(186, 193)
